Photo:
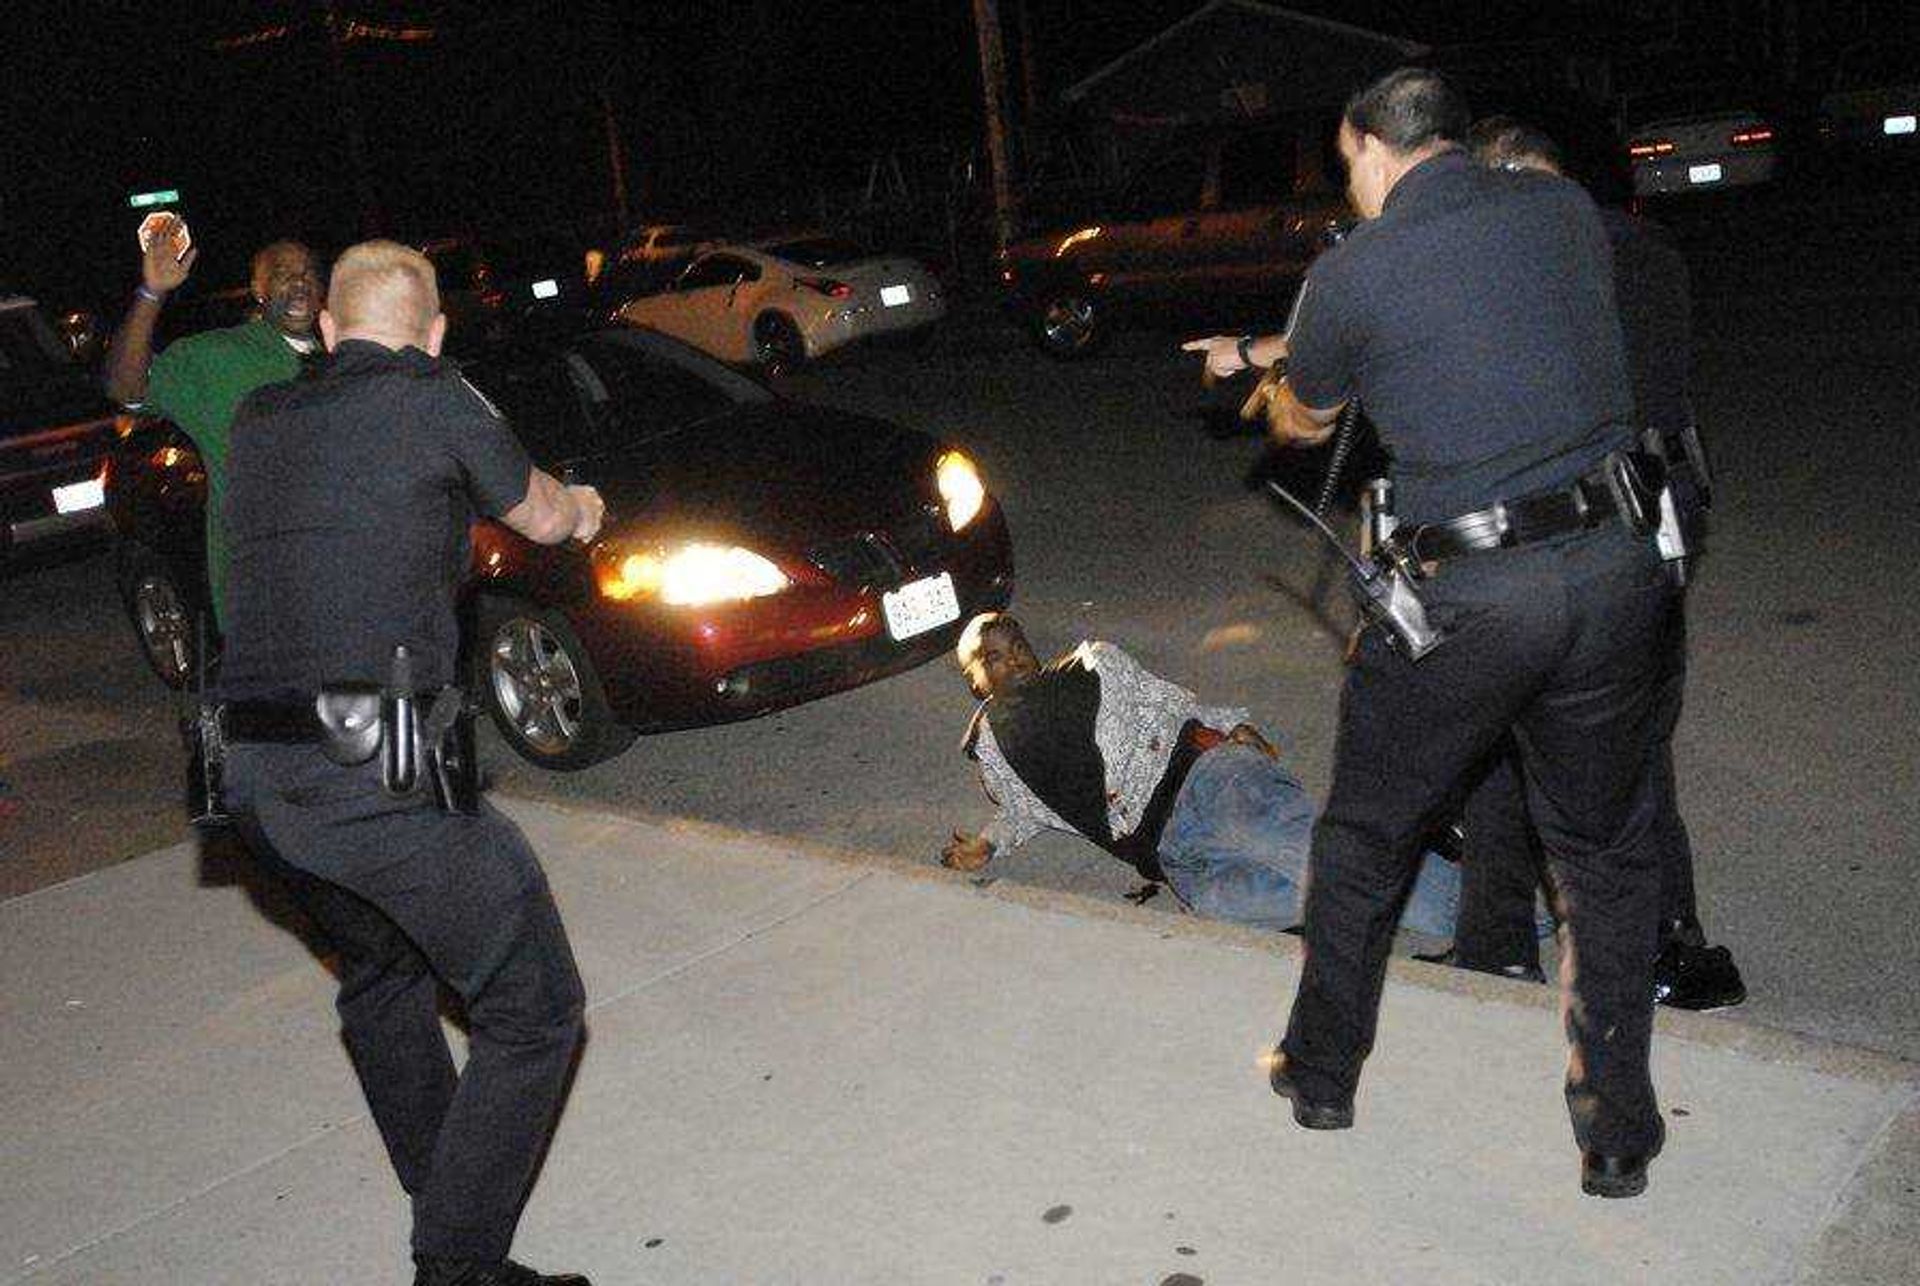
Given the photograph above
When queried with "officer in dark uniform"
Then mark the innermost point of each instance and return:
(1500, 871)
(348, 513)
(1472, 313)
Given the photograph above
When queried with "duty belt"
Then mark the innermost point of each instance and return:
(1621, 487)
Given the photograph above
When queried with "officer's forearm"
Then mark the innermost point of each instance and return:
(132, 351)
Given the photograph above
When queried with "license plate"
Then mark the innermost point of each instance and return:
(894, 296)
(921, 605)
(74, 497)
(546, 289)
(1703, 174)
(1899, 124)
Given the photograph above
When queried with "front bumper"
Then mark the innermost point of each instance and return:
(665, 668)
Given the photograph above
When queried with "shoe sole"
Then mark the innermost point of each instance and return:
(1613, 1186)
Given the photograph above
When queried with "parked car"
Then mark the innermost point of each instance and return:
(57, 432)
(1697, 140)
(1875, 102)
(757, 553)
(776, 304)
(1219, 228)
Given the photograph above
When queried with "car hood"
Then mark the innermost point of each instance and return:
(780, 475)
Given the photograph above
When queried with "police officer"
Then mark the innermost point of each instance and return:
(351, 494)
(1472, 313)
(1500, 869)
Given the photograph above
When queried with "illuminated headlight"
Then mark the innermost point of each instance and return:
(686, 575)
(960, 488)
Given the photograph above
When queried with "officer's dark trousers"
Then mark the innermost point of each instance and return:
(1501, 870)
(1556, 643)
(411, 897)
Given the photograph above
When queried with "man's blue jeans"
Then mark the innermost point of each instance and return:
(1235, 847)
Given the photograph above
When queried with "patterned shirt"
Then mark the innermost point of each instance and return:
(1136, 731)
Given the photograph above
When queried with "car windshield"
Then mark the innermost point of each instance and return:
(1690, 101)
(1875, 66)
(609, 390)
(816, 252)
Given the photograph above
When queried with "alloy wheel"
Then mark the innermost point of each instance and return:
(166, 632)
(536, 685)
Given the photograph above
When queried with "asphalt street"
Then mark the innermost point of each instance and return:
(1132, 524)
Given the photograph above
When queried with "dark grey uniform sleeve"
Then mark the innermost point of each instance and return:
(483, 446)
(1324, 349)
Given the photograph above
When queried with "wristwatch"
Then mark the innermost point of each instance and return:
(1244, 347)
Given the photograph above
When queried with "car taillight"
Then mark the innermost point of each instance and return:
(1642, 149)
(827, 286)
(1752, 136)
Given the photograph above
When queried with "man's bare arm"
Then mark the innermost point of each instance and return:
(554, 511)
(132, 350)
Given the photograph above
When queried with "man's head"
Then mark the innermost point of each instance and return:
(384, 292)
(286, 286)
(1503, 143)
(994, 654)
(1391, 126)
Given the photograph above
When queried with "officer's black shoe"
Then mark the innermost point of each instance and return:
(1308, 1114)
(1451, 958)
(1688, 974)
(432, 1270)
(1606, 1175)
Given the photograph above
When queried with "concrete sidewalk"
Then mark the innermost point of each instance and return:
(804, 1069)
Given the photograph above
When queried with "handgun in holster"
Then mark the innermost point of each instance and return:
(433, 745)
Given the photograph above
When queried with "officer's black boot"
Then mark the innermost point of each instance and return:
(1689, 974)
(432, 1270)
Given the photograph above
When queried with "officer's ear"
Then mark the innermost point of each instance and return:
(436, 334)
(329, 330)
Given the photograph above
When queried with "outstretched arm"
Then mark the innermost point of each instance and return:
(162, 269)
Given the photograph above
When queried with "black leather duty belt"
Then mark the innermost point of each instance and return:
(291, 723)
(1543, 515)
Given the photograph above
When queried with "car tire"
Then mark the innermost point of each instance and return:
(164, 614)
(1070, 323)
(778, 346)
(541, 688)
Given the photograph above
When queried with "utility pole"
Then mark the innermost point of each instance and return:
(993, 77)
(336, 36)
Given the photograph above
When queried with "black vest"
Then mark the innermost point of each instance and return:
(1045, 731)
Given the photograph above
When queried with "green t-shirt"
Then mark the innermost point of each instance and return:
(198, 383)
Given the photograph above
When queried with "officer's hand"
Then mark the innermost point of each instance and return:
(1245, 734)
(966, 852)
(1222, 353)
(591, 508)
(161, 266)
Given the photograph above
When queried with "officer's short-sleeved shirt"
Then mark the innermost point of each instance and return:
(198, 383)
(349, 500)
(1475, 320)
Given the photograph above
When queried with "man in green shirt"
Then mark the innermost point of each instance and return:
(198, 382)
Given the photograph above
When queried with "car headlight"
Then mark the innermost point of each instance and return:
(689, 575)
(960, 488)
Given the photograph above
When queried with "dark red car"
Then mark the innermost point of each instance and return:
(758, 552)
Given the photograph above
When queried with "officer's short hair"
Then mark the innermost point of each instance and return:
(1504, 143)
(974, 635)
(1409, 108)
(383, 287)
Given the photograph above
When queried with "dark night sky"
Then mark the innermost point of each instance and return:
(497, 123)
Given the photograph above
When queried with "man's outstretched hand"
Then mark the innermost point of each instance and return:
(966, 852)
(162, 267)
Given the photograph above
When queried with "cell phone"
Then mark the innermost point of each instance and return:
(165, 223)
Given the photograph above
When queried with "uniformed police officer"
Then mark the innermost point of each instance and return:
(1472, 314)
(351, 495)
